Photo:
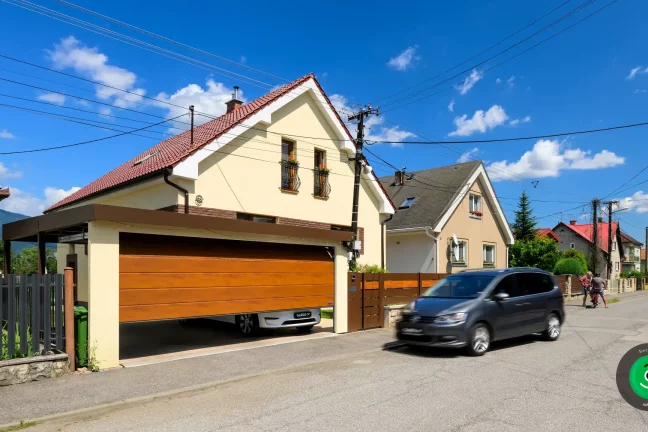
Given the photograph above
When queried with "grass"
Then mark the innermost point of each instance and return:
(326, 314)
(22, 425)
(614, 300)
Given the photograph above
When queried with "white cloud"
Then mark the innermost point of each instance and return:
(498, 80)
(210, 100)
(511, 81)
(404, 60)
(6, 173)
(548, 159)
(468, 155)
(54, 98)
(28, 204)
(451, 105)
(469, 82)
(375, 129)
(4, 133)
(480, 122)
(70, 53)
(638, 202)
(516, 121)
(634, 71)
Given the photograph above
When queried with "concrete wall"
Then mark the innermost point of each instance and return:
(103, 258)
(62, 251)
(410, 252)
(477, 232)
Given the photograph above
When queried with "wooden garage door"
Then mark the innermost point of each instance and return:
(165, 277)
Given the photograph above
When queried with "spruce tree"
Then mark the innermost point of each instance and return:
(525, 224)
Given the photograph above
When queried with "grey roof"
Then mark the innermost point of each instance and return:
(626, 238)
(434, 189)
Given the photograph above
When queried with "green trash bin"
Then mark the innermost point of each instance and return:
(81, 335)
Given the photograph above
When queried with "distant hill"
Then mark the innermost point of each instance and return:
(6, 217)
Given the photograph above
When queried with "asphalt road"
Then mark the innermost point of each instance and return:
(521, 385)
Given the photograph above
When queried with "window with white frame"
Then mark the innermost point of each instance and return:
(616, 266)
(572, 245)
(613, 246)
(489, 255)
(460, 253)
(475, 206)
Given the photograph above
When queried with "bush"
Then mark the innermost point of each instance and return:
(569, 266)
(371, 268)
(580, 256)
(541, 252)
(632, 274)
(4, 352)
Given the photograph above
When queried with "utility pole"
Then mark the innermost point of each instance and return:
(191, 110)
(359, 160)
(595, 242)
(610, 205)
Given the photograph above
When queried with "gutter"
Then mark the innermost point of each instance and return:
(169, 171)
(436, 248)
(382, 240)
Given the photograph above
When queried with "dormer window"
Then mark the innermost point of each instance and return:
(407, 203)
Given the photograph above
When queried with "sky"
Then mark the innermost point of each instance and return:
(594, 75)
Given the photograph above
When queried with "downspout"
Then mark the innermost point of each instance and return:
(167, 172)
(382, 240)
(436, 248)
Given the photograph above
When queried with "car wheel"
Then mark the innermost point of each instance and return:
(248, 324)
(553, 328)
(480, 339)
(305, 329)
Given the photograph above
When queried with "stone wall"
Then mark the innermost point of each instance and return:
(392, 313)
(22, 370)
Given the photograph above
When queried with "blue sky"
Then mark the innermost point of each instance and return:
(581, 79)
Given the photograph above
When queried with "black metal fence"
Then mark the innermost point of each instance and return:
(31, 314)
(289, 176)
(322, 188)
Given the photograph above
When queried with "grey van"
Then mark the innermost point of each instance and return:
(475, 307)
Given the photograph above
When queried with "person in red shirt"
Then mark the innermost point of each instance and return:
(586, 282)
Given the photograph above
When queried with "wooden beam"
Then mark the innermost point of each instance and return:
(41, 253)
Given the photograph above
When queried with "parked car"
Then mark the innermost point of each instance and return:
(303, 320)
(473, 308)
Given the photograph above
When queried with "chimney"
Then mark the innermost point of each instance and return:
(600, 219)
(235, 103)
(572, 222)
(400, 177)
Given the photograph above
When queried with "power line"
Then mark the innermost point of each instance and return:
(548, 26)
(86, 142)
(632, 178)
(124, 24)
(508, 59)
(474, 56)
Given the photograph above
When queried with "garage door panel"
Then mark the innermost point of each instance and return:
(133, 297)
(198, 309)
(197, 280)
(166, 264)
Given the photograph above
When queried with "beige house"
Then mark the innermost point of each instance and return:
(448, 220)
(250, 213)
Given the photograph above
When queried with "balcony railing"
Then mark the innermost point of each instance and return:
(289, 177)
(322, 188)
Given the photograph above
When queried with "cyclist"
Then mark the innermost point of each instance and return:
(598, 285)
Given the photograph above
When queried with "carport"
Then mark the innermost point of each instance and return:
(149, 265)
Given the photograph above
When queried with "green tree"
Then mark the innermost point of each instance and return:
(525, 224)
(26, 261)
(569, 266)
(539, 252)
(580, 256)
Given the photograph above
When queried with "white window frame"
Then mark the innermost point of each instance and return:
(475, 205)
(614, 245)
(616, 266)
(484, 254)
(572, 245)
(465, 253)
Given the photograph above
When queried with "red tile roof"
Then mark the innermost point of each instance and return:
(586, 231)
(547, 232)
(174, 150)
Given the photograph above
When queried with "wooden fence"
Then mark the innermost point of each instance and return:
(369, 293)
(33, 314)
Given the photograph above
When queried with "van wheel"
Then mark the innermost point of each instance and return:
(553, 328)
(248, 324)
(480, 339)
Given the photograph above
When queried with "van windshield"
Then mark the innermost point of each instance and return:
(459, 286)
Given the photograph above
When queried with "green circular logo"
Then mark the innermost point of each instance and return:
(632, 377)
(639, 377)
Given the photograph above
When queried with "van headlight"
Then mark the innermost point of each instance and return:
(454, 318)
(410, 307)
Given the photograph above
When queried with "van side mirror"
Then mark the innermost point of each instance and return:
(500, 296)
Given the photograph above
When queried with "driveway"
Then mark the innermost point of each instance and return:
(521, 385)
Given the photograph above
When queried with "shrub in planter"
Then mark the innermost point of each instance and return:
(569, 266)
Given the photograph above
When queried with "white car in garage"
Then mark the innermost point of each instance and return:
(248, 324)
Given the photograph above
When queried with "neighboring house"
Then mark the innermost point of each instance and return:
(631, 261)
(547, 232)
(579, 236)
(226, 224)
(437, 205)
(4, 193)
